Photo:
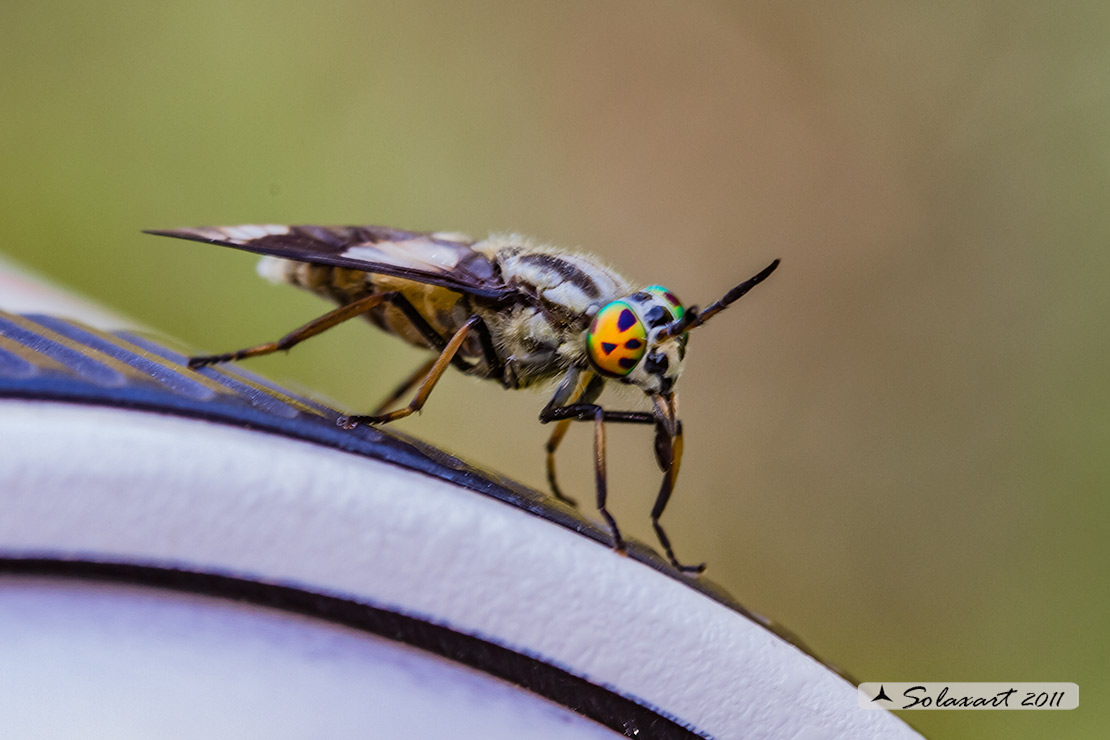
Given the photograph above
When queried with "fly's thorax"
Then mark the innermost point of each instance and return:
(626, 340)
(539, 338)
(529, 341)
(566, 284)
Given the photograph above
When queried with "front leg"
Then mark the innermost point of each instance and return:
(601, 479)
(668, 454)
(589, 412)
(575, 386)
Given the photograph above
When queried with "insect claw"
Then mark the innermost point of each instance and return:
(560, 496)
(694, 570)
(196, 363)
(618, 541)
(350, 422)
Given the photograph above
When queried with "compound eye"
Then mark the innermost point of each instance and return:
(670, 298)
(616, 340)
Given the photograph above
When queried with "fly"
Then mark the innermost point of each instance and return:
(501, 308)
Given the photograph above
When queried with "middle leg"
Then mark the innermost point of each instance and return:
(405, 386)
(668, 454)
(592, 412)
(426, 387)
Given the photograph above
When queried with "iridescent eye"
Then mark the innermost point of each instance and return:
(616, 339)
(670, 298)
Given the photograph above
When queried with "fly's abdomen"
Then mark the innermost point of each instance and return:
(444, 311)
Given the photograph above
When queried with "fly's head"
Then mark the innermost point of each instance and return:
(641, 339)
(628, 340)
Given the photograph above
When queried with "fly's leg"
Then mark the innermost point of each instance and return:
(575, 386)
(404, 387)
(601, 479)
(426, 387)
(494, 366)
(668, 453)
(553, 443)
(596, 414)
(327, 321)
(298, 335)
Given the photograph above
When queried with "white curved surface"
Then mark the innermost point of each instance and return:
(133, 486)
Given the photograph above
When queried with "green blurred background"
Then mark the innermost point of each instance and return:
(896, 446)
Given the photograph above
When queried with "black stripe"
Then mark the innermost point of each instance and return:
(566, 270)
(616, 712)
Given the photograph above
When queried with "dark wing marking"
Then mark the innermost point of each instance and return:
(446, 260)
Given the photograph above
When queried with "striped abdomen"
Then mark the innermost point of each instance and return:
(444, 310)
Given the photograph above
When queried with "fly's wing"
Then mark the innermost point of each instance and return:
(446, 260)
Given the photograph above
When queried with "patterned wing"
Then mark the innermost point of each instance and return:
(435, 258)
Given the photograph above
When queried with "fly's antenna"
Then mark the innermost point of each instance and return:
(676, 328)
(694, 318)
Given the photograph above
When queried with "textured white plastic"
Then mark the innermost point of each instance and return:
(131, 486)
